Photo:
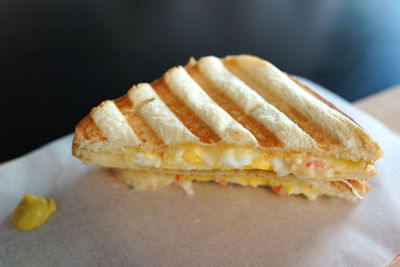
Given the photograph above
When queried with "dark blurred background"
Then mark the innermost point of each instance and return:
(61, 58)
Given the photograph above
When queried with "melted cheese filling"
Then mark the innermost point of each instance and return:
(227, 157)
(310, 188)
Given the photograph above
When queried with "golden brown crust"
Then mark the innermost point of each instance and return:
(89, 129)
(332, 106)
(136, 121)
(264, 137)
(86, 131)
(320, 98)
(190, 119)
(324, 141)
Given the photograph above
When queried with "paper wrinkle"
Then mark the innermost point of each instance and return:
(100, 221)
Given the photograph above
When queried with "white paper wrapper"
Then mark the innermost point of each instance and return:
(101, 222)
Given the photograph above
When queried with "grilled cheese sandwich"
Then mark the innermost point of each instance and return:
(233, 120)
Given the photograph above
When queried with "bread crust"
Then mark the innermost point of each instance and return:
(179, 109)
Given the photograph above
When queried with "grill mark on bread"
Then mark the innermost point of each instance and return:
(320, 98)
(139, 125)
(190, 119)
(264, 137)
(324, 141)
(89, 129)
(258, 70)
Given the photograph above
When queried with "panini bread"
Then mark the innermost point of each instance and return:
(237, 120)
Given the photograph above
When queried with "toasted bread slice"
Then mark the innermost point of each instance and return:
(234, 114)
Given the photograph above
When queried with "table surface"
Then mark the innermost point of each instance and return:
(384, 106)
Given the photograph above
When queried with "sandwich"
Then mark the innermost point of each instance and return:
(233, 120)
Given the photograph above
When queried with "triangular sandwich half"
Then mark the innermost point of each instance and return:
(232, 120)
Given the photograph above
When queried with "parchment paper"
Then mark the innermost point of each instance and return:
(101, 222)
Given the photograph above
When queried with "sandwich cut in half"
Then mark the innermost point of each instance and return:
(235, 120)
